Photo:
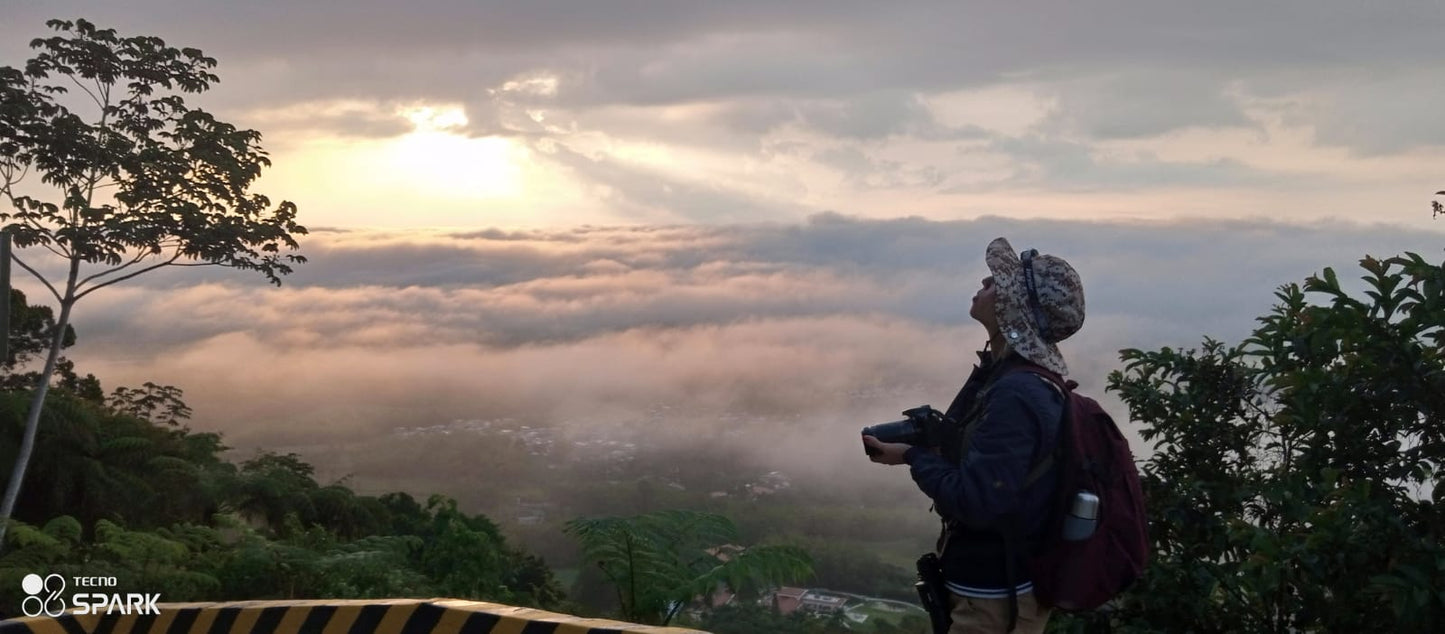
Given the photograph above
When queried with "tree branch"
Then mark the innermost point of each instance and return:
(141, 255)
(125, 277)
(93, 98)
(631, 577)
(12, 179)
(37, 275)
(58, 252)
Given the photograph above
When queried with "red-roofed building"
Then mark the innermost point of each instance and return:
(789, 600)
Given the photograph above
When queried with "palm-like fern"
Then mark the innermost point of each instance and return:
(658, 562)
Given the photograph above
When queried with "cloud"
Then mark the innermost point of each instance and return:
(851, 282)
(800, 333)
(1051, 162)
(1152, 102)
(775, 111)
(345, 118)
(865, 171)
(1382, 113)
(661, 195)
(642, 53)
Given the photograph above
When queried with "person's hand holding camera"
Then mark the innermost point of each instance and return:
(885, 452)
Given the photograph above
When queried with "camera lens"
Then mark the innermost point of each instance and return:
(904, 431)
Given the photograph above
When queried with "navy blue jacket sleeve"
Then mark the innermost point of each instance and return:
(1021, 413)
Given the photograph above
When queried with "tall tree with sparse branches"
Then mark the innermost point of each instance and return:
(107, 174)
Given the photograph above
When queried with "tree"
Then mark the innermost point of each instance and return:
(151, 402)
(32, 330)
(273, 486)
(133, 179)
(659, 562)
(855, 566)
(1297, 481)
(32, 327)
(465, 556)
(101, 463)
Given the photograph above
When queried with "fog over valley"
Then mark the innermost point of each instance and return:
(479, 364)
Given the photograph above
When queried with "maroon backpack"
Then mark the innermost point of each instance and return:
(1093, 457)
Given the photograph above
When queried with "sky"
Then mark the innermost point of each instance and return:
(579, 210)
(543, 113)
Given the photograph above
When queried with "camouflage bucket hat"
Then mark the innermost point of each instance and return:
(1040, 302)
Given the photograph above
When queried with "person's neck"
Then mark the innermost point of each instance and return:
(996, 345)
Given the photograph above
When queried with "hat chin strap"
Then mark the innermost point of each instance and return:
(995, 352)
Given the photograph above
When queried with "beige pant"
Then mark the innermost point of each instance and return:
(990, 616)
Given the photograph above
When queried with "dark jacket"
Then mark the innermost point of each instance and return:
(1018, 414)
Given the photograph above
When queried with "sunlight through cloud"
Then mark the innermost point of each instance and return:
(434, 158)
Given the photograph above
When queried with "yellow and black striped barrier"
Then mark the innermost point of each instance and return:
(400, 616)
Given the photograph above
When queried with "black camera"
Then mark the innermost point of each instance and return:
(933, 593)
(923, 426)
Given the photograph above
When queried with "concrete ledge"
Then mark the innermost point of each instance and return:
(390, 616)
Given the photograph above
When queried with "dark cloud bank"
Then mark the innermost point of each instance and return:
(850, 70)
(808, 331)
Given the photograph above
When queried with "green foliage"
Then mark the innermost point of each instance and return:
(659, 562)
(32, 328)
(1296, 481)
(131, 179)
(32, 332)
(135, 174)
(272, 486)
(463, 554)
(152, 402)
(98, 463)
(39, 548)
(743, 618)
(157, 507)
(153, 560)
(854, 567)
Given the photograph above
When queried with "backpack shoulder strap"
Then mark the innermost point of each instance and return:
(1060, 384)
(1040, 468)
(1064, 389)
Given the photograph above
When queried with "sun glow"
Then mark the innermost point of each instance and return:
(437, 158)
(433, 172)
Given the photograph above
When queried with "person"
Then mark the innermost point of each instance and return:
(984, 488)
